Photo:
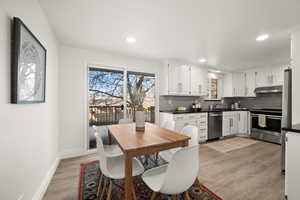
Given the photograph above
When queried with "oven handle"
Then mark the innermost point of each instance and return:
(268, 116)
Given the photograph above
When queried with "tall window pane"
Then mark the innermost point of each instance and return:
(105, 99)
(141, 92)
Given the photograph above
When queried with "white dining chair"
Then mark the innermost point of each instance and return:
(177, 176)
(189, 130)
(110, 150)
(125, 121)
(114, 168)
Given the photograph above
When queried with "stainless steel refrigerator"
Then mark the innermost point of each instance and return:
(286, 112)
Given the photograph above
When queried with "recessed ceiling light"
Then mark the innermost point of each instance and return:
(130, 39)
(202, 60)
(262, 37)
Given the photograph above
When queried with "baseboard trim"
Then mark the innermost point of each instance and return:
(46, 181)
(72, 153)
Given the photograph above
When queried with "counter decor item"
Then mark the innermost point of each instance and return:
(180, 108)
(28, 66)
(140, 118)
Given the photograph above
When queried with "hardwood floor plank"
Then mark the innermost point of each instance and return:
(248, 173)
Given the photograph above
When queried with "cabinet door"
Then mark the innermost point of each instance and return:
(238, 84)
(196, 82)
(292, 166)
(199, 81)
(179, 79)
(262, 77)
(227, 85)
(250, 84)
(226, 124)
(242, 122)
(234, 123)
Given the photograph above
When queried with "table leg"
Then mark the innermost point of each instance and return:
(109, 138)
(128, 177)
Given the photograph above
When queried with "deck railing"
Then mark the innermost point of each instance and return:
(105, 115)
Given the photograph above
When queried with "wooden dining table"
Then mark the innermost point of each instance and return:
(137, 143)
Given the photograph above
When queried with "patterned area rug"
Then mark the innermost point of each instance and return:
(90, 174)
(231, 144)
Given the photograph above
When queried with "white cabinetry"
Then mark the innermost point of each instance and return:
(250, 83)
(292, 175)
(244, 83)
(199, 81)
(181, 120)
(182, 79)
(179, 79)
(238, 84)
(242, 122)
(235, 122)
(230, 123)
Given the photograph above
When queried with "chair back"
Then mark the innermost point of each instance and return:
(125, 121)
(170, 125)
(102, 155)
(192, 132)
(182, 170)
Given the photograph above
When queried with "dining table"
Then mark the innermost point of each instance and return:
(136, 143)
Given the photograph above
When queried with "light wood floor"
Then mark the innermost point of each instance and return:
(250, 173)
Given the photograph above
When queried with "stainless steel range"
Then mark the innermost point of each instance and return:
(266, 124)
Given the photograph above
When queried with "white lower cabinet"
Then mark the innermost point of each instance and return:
(292, 176)
(235, 122)
(181, 120)
(242, 122)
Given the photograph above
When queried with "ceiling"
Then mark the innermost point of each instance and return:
(223, 31)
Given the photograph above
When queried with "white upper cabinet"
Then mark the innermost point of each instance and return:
(238, 84)
(179, 79)
(244, 83)
(199, 81)
(250, 83)
(182, 79)
(227, 85)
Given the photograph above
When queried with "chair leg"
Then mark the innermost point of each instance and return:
(104, 187)
(153, 195)
(186, 196)
(156, 157)
(133, 192)
(99, 185)
(109, 191)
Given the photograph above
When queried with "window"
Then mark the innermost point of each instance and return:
(116, 94)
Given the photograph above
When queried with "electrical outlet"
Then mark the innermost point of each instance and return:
(169, 101)
(21, 197)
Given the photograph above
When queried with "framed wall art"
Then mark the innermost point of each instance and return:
(28, 66)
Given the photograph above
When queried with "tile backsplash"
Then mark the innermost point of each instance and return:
(168, 103)
(260, 101)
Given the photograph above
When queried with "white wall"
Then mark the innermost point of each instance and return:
(29, 133)
(296, 77)
(73, 91)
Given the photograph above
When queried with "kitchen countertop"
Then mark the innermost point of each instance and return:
(295, 128)
(205, 110)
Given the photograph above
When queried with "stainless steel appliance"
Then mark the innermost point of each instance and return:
(268, 90)
(287, 111)
(270, 131)
(215, 125)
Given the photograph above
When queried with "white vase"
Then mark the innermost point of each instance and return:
(140, 118)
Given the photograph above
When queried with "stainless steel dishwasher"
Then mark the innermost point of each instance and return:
(215, 125)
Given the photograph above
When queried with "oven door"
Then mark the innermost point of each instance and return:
(273, 123)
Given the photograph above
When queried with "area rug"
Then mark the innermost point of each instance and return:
(90, 174)
(231, 144)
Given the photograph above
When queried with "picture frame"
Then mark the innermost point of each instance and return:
(28, 66)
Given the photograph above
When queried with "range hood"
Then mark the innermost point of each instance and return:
(267, 90)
